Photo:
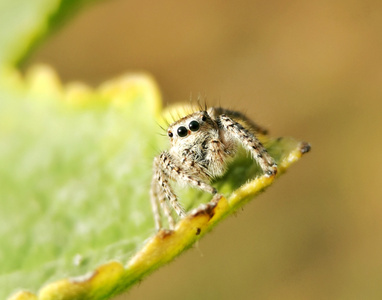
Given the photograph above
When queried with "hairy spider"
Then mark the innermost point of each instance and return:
(202, 144)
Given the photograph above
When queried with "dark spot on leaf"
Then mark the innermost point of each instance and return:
(208, 209)
(198, 230)
(164, 233)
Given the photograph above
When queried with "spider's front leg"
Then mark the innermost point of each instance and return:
(154, 199)
(158, 200)
(250, 142)
(161, 190)
(165, 169)
(183, 174)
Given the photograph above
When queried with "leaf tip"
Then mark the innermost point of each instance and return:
(305, 147)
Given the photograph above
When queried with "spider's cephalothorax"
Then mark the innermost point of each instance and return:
(202, 144)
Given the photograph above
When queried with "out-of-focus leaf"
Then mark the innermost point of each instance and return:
(75, 171)
(24, 22)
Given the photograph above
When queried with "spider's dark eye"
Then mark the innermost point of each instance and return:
(182, 131)
(170, 134)
(194, 125)
(204, 118)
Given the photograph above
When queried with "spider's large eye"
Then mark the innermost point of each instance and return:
(194, 125)
(182, 131)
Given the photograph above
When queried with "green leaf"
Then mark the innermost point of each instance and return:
(75, 171)
(24, 23)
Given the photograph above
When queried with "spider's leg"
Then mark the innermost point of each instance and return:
(249, 141)
(165, 207)
(162, 178)
(154, 202)
(215, 112)
(181, 174)
(158, 198)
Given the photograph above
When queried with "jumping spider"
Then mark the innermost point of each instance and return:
(202, 144)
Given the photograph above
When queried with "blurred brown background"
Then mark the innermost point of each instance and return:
(312, 70)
